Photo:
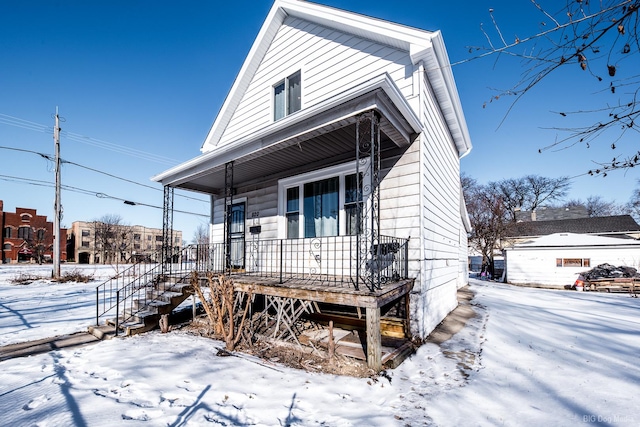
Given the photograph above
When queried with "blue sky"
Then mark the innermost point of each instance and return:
(147, 78)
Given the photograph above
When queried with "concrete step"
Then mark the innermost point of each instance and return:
(103, 332)
(162, 295)
(157, 306)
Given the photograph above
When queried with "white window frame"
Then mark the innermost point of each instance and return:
(286, 94)
(340, 171)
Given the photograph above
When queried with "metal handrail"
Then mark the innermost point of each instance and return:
(332, 261)
(131, 285)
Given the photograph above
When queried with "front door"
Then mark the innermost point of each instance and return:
(236, 235)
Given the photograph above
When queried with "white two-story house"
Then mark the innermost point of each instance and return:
(335, 161)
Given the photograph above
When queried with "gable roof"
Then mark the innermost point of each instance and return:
(565, 240)
(422, 45)
(595, 225)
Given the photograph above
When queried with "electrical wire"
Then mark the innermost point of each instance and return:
(133, 152)
(24, 124)
(90, 193)
(51, 158)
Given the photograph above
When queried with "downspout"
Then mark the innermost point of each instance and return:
(422, 269)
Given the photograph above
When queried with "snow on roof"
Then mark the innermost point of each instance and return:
(573, 239)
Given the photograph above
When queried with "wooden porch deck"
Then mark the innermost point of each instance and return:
(306, 291)
(324, 290)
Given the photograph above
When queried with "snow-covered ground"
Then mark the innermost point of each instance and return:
(531, 357)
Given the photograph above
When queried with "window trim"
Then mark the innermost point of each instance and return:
(299, 180)
(285, 81)
(567, 263)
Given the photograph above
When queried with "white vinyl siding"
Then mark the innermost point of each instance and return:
(330, 61)
(440, 216)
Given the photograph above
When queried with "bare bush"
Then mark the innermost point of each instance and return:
(224, 309)
(75, 276)
(25, 279)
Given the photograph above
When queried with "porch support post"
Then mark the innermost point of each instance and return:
(368, 184)
(228, 204)
(374, 340)
(167, 230)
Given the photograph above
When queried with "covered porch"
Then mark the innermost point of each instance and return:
(361, 266)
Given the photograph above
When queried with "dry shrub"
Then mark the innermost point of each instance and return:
(75, 276)
(25, 279)
(225, 309)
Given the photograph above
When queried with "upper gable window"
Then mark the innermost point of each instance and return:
(287, 96)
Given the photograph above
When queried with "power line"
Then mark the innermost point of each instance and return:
(89, 193)
(133, 152)
(50, 158)
(24, 124)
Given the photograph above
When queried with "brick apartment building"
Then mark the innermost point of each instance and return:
(100, 243)
(28, 237)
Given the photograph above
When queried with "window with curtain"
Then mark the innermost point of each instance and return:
(352, 201)
(293, 212)
(324, 207)
(321, 206)
(287, 96)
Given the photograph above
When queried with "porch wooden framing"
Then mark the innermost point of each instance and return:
(306, 291)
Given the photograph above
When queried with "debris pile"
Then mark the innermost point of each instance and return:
(608, 271)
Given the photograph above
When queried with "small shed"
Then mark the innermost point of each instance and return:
(557, 259)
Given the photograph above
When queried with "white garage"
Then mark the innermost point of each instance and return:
(557, 259)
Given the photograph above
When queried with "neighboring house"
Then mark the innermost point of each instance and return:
(545, 213)
(28, 237)
(556, 260)
(121, 243)
(620, 226)
(336, 158)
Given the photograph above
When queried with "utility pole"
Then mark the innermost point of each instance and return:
(56, 206)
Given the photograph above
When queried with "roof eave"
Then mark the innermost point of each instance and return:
(400, 116)
(438, 68)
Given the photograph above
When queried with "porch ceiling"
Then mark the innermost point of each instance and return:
(285, 159)
(321, 139)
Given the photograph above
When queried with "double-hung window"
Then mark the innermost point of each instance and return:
(287, 96)
(322, 203)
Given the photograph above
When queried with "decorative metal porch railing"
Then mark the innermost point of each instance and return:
(326, 261)
(330, 261)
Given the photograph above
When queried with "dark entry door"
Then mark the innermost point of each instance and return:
(236, 235)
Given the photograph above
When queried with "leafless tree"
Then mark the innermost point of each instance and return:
(489, 219)
(597, 206)
(113, 238)
(633, 206)
(596, 37)
(201, 235)
(529, 192)
(37, 242)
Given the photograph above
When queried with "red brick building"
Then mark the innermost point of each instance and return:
(28, 237)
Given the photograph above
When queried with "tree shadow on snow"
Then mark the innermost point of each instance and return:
(65, 389)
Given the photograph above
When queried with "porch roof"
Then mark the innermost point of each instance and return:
(317, 136)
